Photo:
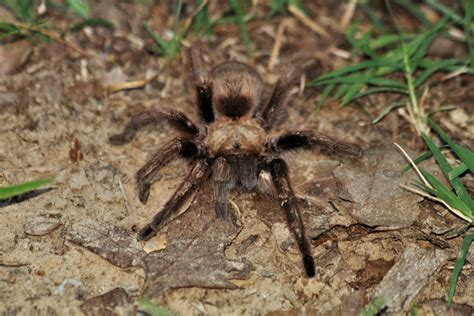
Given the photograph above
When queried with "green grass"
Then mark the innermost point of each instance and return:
(244, 33)
(201, 24)
(466, 243)
(454, 195)
(38, 28)
(374, 307)
(25, 187)
(278, 7)
(170, 48)
(385, 56)
(147, 306)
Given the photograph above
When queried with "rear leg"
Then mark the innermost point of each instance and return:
(311, 140)
(176, 119)
(289, 203)
(224, 180)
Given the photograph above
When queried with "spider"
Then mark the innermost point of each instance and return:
(231, 147)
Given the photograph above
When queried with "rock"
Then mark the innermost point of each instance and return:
(408, 276)
(373, 195)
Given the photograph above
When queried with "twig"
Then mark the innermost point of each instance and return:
(277, 44)
(414, 166)
(61, 40)
(130, 84)
(127, 205)
(348, 14)
(428, 196)
(306, 21)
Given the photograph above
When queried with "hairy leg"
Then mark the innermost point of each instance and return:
(268, 113)
(140, 120)
(195, 179)
(148, 174)
(223, 181)
(203, 85)
(289, 203)
(311, 140)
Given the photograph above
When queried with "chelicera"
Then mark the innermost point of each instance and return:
(231, 146)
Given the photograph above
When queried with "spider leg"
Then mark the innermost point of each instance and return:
(148, 174)
(289, 203)
(268, 113)
(224, 181)
(175, 118)
(196, 177)
(203, 86)
(311, 140)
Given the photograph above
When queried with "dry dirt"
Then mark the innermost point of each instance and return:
(71, 248)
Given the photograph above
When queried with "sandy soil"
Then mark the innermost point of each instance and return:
(71, 249)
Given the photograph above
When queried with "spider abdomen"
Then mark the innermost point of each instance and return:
(237, 89)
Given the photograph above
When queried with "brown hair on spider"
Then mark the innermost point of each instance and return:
(230, 146)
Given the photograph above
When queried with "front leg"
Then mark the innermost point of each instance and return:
(289, 203)
(203, 85)
(267, 113)
(149, 173)
(311, 140)
(193, 182)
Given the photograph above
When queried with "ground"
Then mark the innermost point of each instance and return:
(71, 248)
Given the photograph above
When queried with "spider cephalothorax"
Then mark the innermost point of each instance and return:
(231, 146)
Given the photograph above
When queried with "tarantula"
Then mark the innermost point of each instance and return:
(231, 146)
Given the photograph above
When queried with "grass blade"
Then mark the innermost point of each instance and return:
(445, 194)
(326, 92)
(351, 92)
(343, 88)
(17, 189)
(446, 169)
(420, 158)
(93, 23)
(466, 243)
(414, 10)
(146, 305)
(459, 170)
(434, 67)
(466, 156)
(202, 23)
(387, 110)
(80, 8)
(373, 17)
(8, 29)
(354, 68)
(23, 9)
(445, 11)
(377, 90)
(468, 31)
(277, 7)
(161, 44)
(362, 79)
(423, 187)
